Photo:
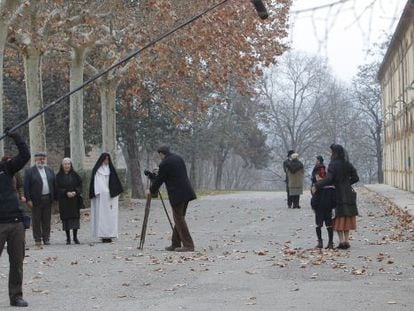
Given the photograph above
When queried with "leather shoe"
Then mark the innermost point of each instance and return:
(170, 248)
(19, 302)
(184, 249)
(46, 242)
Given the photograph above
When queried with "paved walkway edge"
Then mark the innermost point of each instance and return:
(400, 198)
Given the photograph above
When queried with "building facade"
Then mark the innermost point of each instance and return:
(396, 75)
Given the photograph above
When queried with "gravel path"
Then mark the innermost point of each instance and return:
(252, 253)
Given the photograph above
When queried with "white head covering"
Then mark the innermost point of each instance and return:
(67, 160)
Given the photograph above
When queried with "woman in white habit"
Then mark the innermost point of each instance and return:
(104, 191)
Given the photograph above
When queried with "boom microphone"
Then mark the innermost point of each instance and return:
(260, 8)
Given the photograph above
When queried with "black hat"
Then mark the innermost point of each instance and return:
(319, 157)
(290, 152)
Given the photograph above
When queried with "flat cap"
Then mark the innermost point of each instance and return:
(40, 154)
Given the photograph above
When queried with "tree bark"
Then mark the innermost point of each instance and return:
(33, 75)
(77, 144)
(219, 175)
(108, 114)
(380, 172)
(7, 9)
(193, 171)
(3, 36)
(134, 167)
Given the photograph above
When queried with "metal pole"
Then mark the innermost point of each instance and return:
(165, 209)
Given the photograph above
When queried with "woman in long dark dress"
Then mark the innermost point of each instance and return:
(69, 190)
(341, 174)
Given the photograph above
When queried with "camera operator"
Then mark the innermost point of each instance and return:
(11, 220)
(173, 172)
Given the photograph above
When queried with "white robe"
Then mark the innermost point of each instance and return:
(104, 209)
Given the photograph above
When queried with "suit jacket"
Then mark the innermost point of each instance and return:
(33, 184)
(173, 172)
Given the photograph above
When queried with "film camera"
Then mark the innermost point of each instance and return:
(151, 175)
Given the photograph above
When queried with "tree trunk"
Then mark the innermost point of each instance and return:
(134, 167)
(33, 76)
(3, 35)
(8, 8)
(77, 144)
(193, 171)
(108, 97)
(219, 174)
(380, 171)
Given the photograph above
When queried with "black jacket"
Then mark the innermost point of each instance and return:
(33, 184)
(324, 200)
(68, 207)
(173, 172)
(342, 175)
(9, 203)
(294, 166)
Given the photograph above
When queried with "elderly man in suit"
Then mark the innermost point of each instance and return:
(173, 172)
(39, 189)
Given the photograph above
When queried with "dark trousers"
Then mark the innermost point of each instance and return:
(295, 200)
(181, 234)
(13, 234)
(289, 198)
(41, 217)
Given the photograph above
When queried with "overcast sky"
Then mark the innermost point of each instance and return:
(343, 32)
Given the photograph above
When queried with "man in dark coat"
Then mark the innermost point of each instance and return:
(173, 172)
(11, 221)
(285, 164)
(39, 190)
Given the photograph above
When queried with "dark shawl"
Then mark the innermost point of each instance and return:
(115, 186)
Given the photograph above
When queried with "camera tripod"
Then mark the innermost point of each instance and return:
(146, 216)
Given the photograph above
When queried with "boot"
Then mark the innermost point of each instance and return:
(330, 235)
(75, 236)
(67, 237)
(319, 235)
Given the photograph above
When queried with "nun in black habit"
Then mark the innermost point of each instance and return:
(105, 188)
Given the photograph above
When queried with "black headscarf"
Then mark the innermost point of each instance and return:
(115, 186)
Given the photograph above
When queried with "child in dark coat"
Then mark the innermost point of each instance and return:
(323, 202)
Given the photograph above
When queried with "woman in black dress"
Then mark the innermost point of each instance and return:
(69, 190)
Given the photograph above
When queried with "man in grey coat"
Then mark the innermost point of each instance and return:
(39, 189)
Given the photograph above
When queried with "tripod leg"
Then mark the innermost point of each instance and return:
(145, 222)
(166, 212)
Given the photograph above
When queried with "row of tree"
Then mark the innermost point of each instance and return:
(181, 88)
(213, 91)
(308, 109)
